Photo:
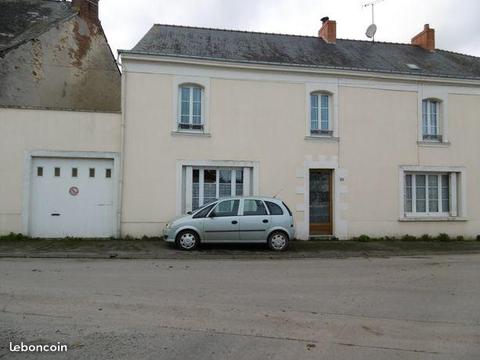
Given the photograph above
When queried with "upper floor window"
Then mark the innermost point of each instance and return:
(431, 120)
(191, 107)
(320, 123)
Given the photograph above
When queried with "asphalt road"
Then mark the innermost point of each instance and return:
(392, 308)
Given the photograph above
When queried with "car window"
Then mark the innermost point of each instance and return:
(253, 207)
(288, 209)
(274, 208)
(203, 212)
(225, 208)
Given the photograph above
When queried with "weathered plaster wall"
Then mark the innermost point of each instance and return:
(68, 67)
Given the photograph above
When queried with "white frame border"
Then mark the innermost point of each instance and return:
(329, 88)
(461, 201)
(216, 163)
(204, 82)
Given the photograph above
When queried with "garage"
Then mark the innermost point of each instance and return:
(71, 197)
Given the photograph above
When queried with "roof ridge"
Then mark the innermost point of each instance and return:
(303, 36)
(273, 33)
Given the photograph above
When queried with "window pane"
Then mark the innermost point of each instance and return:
(197, 94)
(324, 122)
(433, 193)
(239, 182)
(185, 105)
(314, 112)
(197, 109)
(91, 172)
(226, 208)
(433, 118)
(74, 172)
(57, 171)
(253, 207)
(209, 186)
(424, 117)
(273, 208)
(39, 171)
(195, 189)
(225, 183)
(185, 93)
(408, 193)
(445, 193)
(420, 193)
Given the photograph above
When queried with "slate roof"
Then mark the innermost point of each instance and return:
(303, 51)
(24, 20)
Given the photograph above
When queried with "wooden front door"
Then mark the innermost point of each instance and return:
(321, 222)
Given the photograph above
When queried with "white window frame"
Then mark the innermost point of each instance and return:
(185, 178)
(427, 117)
(202, 82)
(427, 211)
(190, 123)
(457, 193)
(319, 131)
(233, 183)
(330, 88)
(440, 95)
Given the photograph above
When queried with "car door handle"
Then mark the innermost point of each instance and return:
(55, 214)
(265, 221)
(234, 222)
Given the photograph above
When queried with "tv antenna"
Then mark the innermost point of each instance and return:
(372, 29)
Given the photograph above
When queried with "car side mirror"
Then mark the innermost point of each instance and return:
(189, 213)
(211, 215)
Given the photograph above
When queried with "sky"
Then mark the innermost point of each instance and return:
(456, 23)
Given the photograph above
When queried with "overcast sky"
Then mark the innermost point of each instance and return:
(456, 23)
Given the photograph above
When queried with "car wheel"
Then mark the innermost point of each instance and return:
(187, 240)
(278, 241)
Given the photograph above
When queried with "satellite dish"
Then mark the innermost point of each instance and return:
(371, 30)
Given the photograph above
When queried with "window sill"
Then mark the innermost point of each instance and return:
(432, 143)
(322, 137)
(191, 133)
(431, 219)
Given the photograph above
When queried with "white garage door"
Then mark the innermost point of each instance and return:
(71, 197)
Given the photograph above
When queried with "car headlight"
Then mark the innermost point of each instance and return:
(168, 226)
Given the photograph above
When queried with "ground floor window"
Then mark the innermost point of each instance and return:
(430, 194)
(204, 185)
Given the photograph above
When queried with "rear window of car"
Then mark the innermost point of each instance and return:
(203, 212)
(286, 207)
(274, 208)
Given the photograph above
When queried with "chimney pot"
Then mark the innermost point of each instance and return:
(328, 31)
(87, 9)
(425, 39)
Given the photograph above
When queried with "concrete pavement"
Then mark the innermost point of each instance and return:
(399, 308)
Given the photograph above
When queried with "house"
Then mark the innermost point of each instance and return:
(358, 137)
(60, 135)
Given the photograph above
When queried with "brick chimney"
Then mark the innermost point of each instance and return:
(87, 9)
(328, 31)
(425, 39)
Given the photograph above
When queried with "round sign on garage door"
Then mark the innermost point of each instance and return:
(73, 191)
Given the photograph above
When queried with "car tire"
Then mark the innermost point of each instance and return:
(278, 241)
(187, 240)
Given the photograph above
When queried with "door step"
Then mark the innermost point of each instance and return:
(322, 237)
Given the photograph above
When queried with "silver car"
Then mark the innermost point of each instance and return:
(234, 220)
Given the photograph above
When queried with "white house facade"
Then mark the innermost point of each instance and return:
(356, 137)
